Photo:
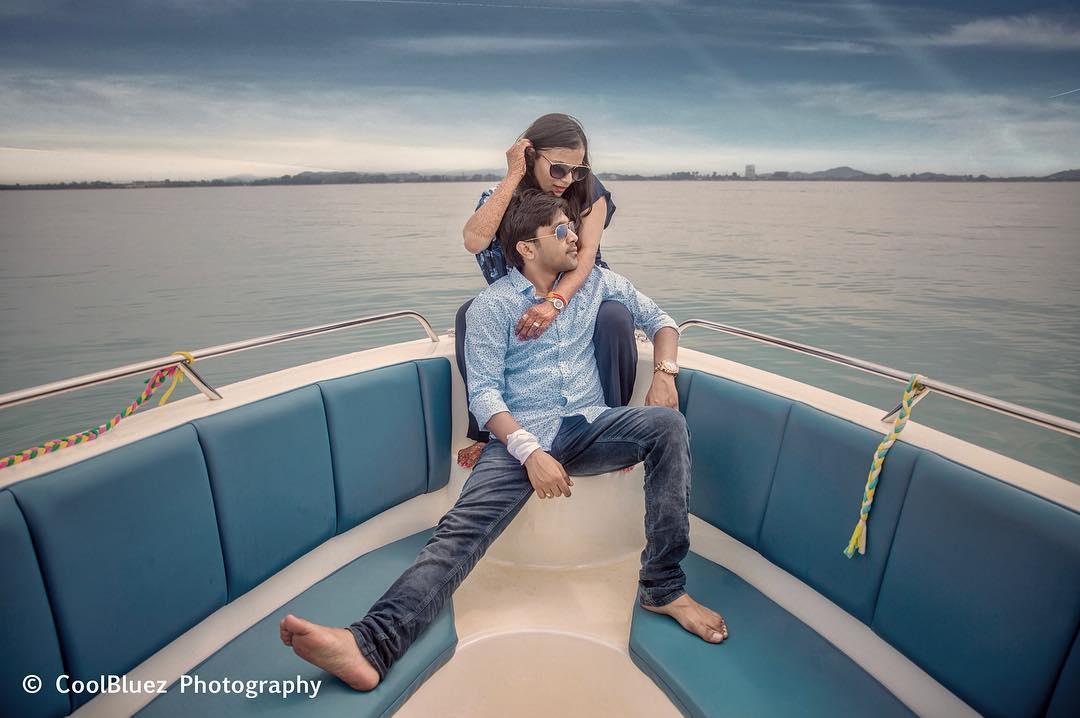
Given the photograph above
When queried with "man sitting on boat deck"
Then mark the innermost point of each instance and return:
(542, 399)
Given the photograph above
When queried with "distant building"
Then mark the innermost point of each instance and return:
(751, 172)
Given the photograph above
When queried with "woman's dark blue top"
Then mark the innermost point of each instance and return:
(493, 263)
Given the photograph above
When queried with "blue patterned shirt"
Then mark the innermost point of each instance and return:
(539, 381)
(492, 263)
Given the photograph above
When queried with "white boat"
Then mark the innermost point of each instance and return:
(161, 556)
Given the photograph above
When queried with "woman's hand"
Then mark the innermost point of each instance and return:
(515, 159)
(536, 320)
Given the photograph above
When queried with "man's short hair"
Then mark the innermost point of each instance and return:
(529, 210)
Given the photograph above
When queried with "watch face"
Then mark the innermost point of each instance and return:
(669, 366)
(559, 304)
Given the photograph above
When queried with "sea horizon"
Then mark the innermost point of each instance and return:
(841, 173)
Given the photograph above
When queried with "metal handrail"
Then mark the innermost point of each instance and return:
(43, 391)
(1040, 418)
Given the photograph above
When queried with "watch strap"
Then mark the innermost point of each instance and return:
(556, 295)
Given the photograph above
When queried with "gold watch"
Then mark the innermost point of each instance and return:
(667, 367)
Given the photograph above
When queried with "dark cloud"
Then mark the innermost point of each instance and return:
(711, 72)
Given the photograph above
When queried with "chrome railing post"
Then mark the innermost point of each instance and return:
(921, 393)
(200, 383)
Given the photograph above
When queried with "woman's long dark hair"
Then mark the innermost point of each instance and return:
(559, 130)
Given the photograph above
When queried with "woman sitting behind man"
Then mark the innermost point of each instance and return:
(553, 155)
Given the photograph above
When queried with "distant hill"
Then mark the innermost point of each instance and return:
(836, 174)
(373, 178)
(843, 174)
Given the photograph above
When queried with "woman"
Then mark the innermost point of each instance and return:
(553, 156)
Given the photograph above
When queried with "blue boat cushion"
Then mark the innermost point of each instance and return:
(273, 483)
(683, 381)
(28, 642)
(735, 435)
(814, 506)
(376, 424)
(982, 588)
(436, 392)
(338, 600)
(1066, 700)
(771, 664)
(129, 549)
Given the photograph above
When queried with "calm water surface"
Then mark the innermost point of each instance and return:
(977, 285)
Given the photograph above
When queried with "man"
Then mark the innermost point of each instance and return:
(542, 399)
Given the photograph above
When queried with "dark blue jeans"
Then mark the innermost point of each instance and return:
(614, 346)
(497, 490)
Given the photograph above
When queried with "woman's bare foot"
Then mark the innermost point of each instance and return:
(468, 456)
(332, 649)
(691, 615)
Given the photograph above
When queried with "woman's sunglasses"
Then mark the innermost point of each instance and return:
(558, 170)
(562, 231)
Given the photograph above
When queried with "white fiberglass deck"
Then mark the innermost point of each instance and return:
(544, 617)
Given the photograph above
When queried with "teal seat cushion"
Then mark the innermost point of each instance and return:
(735, 436)
(338, 600)
(982, 588)
(1065, 702)
(377, 439)
(128, 545)
(28, 642)
(771, 665)
(684, 380)
(814, 506)
(273, 483)
(436, 392)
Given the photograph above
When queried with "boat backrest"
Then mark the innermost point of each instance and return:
(30, 642)
(107, 560)
(975, 580)
(273, 485)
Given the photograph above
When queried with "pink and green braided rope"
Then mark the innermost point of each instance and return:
(152, 384)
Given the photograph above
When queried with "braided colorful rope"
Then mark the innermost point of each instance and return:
(858, 537)
(152, 384)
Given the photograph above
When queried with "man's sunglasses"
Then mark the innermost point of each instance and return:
(558, 170)
(562, 231)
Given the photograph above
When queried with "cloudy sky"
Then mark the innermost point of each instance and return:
(149, 89)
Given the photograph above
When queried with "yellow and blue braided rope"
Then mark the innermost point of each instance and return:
(858, 536)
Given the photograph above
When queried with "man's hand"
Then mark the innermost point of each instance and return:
(547, 475)
(662, 391)
(536, 320)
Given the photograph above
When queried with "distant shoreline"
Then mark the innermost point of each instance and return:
(837, 174)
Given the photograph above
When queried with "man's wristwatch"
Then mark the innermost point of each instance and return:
(557, 300)
(667, 367)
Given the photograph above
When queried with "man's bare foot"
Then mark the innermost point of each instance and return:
(332, 649)
(691, 615)
(468, 456)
